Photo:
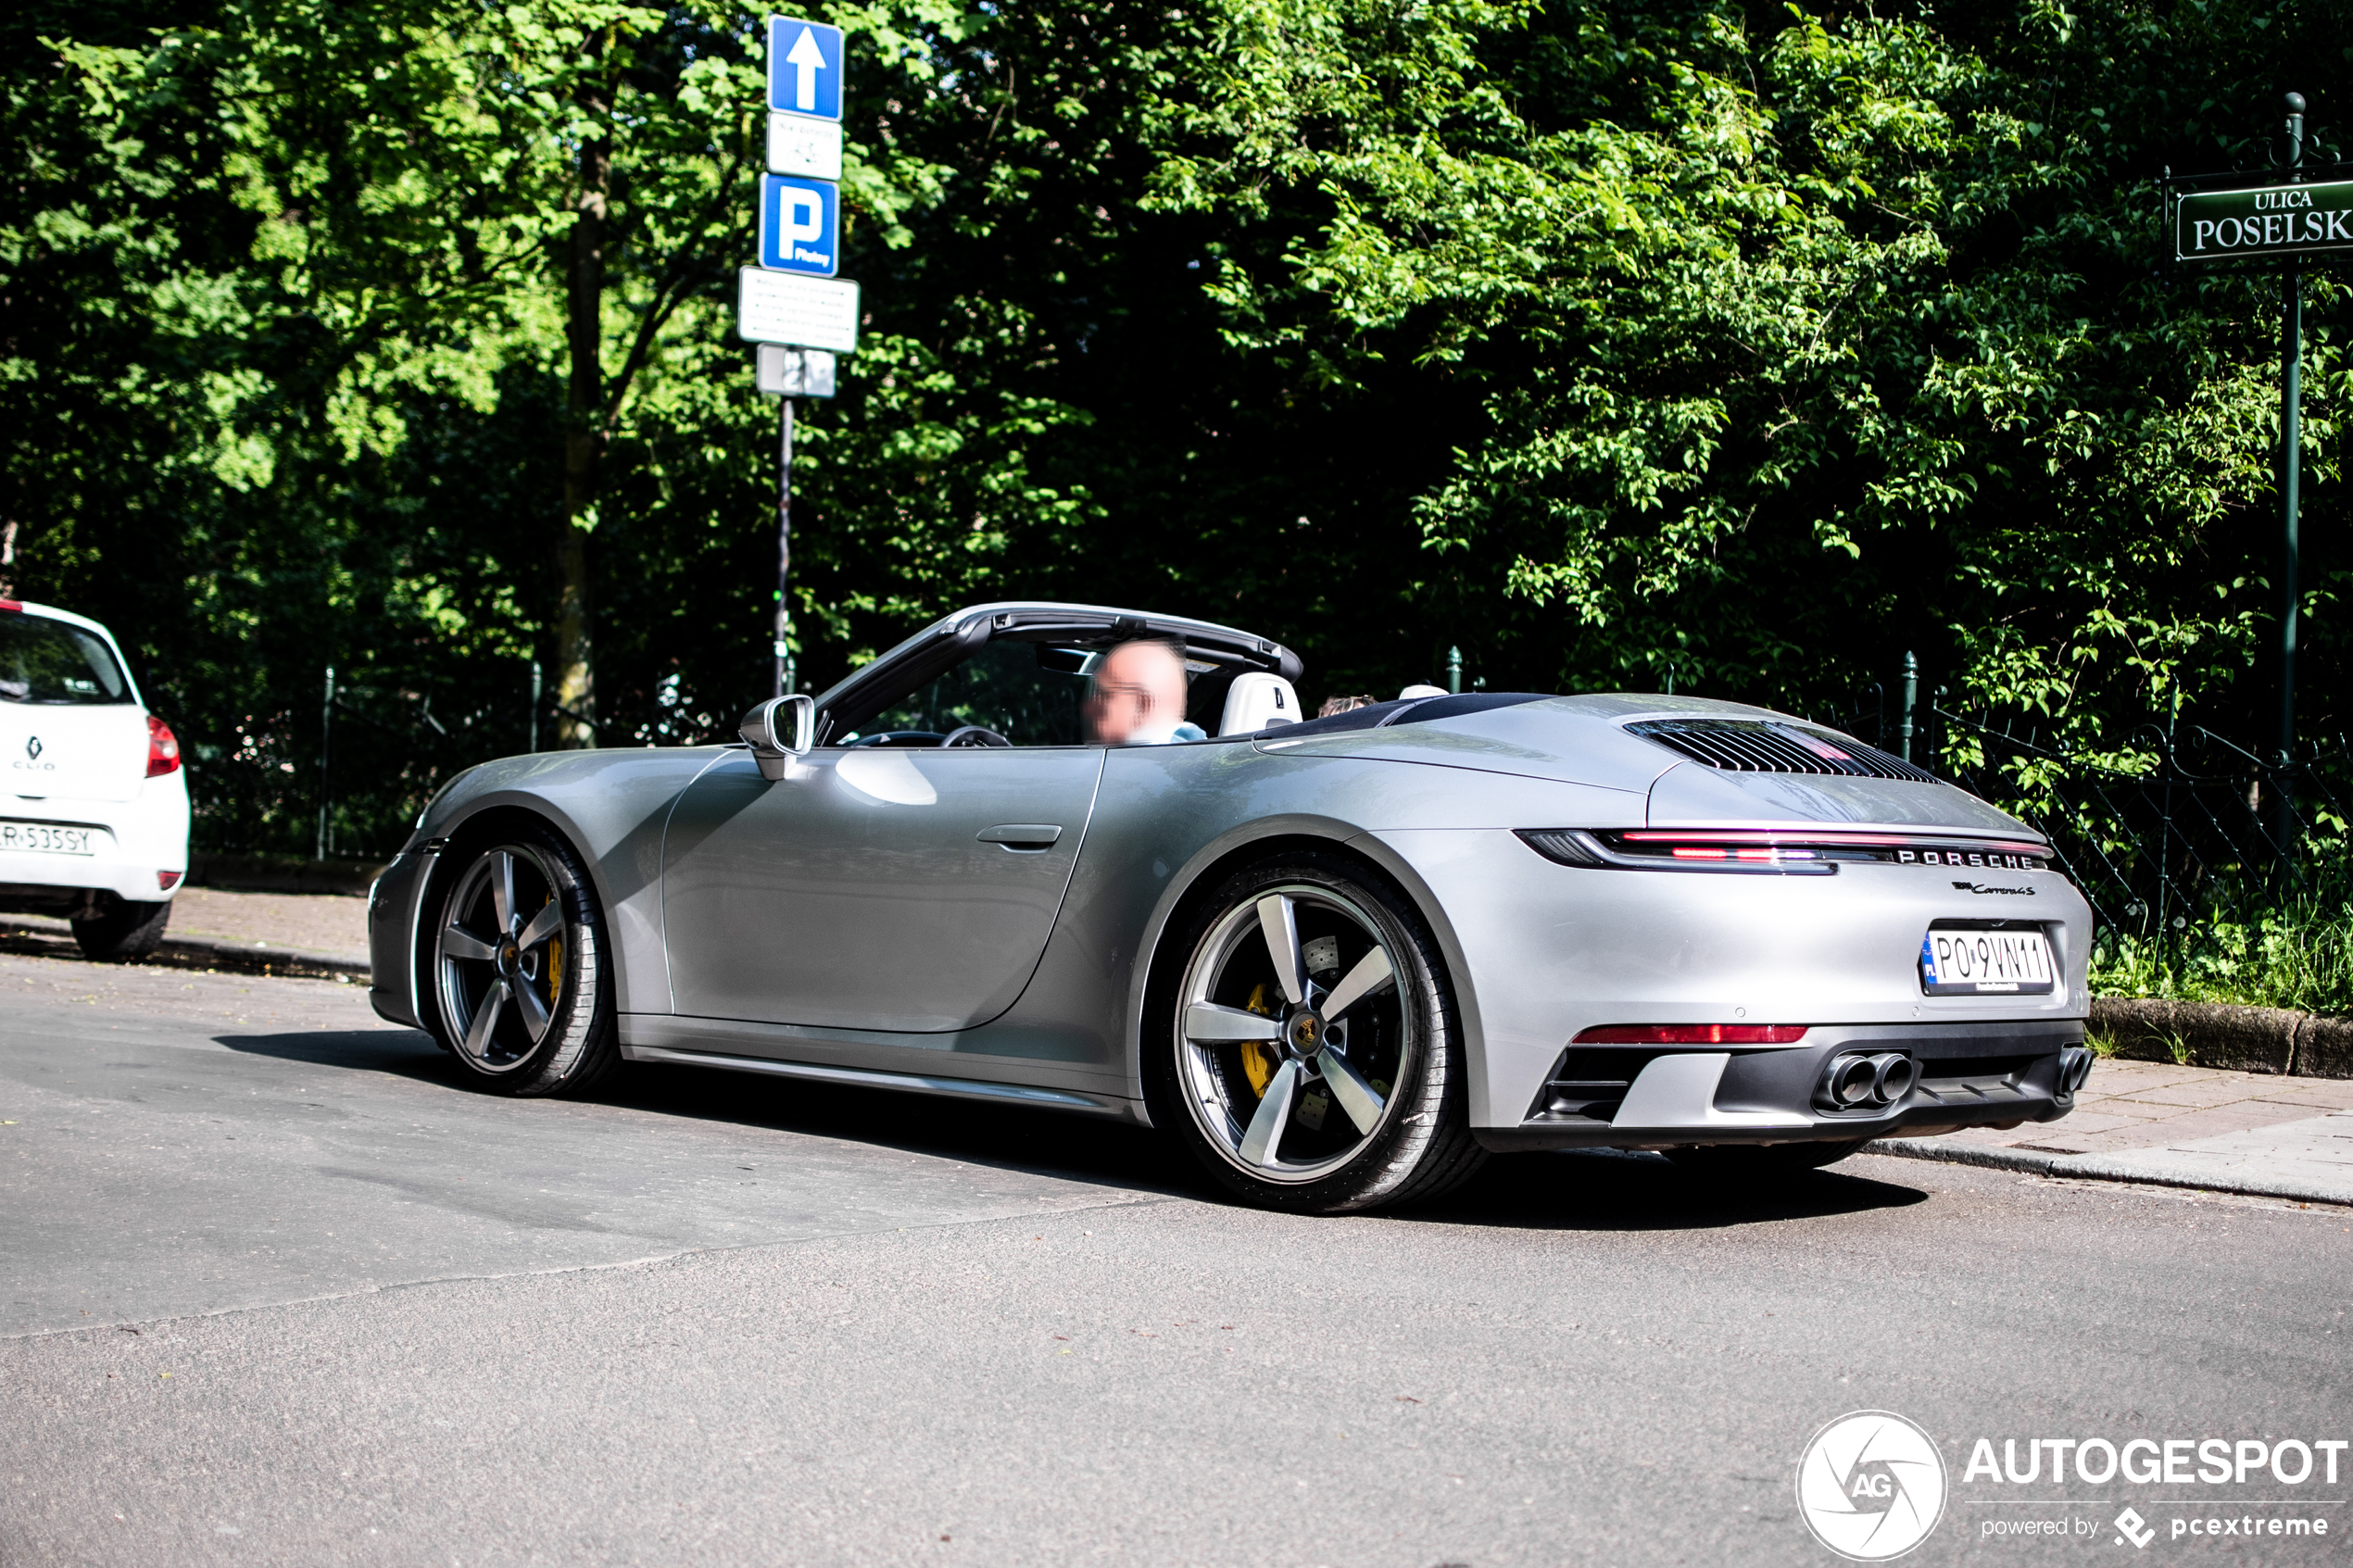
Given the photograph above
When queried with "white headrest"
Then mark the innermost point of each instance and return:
(1256, 701)
(1421, 691)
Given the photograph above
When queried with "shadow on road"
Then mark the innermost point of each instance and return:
(1040, 1142)
(1537, 1191)
(402, 1053)
(1605, 1191)
(1009, 1138)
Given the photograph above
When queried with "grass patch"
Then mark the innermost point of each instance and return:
(2299, 955)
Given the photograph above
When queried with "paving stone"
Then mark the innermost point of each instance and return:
(2334, 1093)
(2214, 1121)
(2223, 1088)
(2313, 1153)
(2185, 1127)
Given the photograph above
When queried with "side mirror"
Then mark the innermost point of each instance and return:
(779, 730)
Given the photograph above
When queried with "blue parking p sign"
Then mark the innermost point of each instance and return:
(800, 225)
(804, 67)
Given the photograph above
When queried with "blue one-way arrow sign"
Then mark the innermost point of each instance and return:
(800, 225)
(804, 67)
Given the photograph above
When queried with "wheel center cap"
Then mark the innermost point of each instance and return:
(510, 957)
(1304, 1035)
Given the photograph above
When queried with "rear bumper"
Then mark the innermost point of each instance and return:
(137, 842)
(1970, 1075)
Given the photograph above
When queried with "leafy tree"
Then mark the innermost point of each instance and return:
(1738, 348)
(1799, 340)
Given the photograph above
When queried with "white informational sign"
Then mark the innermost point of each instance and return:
(796, 309)
(808, 147)
(794, 372)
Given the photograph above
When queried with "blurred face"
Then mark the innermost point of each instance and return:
(1138, 695)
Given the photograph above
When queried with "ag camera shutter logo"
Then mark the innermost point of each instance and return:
(1871, 1485)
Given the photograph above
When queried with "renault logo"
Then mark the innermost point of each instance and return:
(32, 748)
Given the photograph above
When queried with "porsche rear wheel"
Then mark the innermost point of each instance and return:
(519, 988)
(1307, 1051)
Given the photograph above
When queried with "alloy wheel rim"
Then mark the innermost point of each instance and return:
(1292, 1033)
(500, 958)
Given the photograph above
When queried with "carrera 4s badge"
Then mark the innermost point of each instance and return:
(1990, 887)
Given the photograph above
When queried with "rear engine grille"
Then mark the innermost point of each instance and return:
(1758, 746)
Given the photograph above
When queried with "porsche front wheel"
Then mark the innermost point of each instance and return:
(1308, 1052)
(520, 992)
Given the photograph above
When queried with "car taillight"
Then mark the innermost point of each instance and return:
(163, 749)
(1691, 1034)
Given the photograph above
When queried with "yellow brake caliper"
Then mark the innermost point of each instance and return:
(1259, 1061)
(555, 964)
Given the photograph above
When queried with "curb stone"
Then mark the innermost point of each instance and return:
(279, 873)
(199, 952)
(220, 950)
(2226, 1035)
(2103, 1167)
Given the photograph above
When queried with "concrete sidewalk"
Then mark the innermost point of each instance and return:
(2249, 1133)
(307, 934)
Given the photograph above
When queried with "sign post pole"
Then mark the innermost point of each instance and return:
(791, 307)
(2291, 471)
(784, 545)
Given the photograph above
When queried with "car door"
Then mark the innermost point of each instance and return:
(905, 889)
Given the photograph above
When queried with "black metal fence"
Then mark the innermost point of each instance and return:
(2207, 834)
(2211, 869)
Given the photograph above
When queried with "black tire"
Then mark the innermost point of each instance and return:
(1418, 1144)
(567, 973)
(125, 933)
(1768, 1162)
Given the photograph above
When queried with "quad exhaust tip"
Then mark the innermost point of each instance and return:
(1855, 1081)
(2075, 1066)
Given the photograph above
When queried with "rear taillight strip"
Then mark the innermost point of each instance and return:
(1773, 852)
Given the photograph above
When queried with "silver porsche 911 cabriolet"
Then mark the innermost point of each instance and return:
(1341, 959)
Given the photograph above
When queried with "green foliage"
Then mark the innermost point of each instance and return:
(1739, 347)
(2296, 955)
(1822, 332)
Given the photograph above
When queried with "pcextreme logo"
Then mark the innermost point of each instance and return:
(1870, 1486)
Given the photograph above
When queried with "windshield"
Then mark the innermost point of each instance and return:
(48, 661)
(1029, 693)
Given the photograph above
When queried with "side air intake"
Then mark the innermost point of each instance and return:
(1760, 746)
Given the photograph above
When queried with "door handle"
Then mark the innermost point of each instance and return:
(1022, 836)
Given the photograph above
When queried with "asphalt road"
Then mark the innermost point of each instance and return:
(274, 1289)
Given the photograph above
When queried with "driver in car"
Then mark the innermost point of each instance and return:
(1138, 698)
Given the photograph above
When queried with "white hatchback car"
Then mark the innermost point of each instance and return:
(93, 819)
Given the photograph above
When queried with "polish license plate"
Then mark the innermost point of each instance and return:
(43, 838)
(1986, 960)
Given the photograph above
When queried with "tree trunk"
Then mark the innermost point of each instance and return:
(576, 695)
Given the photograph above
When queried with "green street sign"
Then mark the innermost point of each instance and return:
(2276, 221)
